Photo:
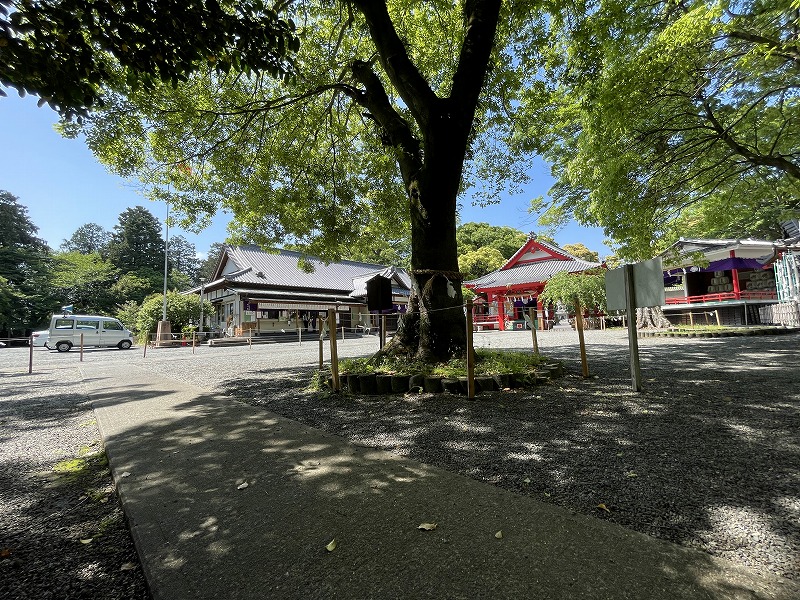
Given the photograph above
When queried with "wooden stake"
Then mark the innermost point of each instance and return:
(194, 339)
(532, 315)
(691, 319)
(579, 327)
(30, 357)
(334, 351)
(81, 347)
(470, 354)
(383, 331)
(719, 323)
(320, 353)
(146, 342)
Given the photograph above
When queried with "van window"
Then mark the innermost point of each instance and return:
(112, 325)
(64, 323)
(87, 324)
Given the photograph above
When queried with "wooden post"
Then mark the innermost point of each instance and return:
(334, 350)
(30, 357)
(320, 353)
(383, 332)
(633, 341)
(706, 318)
(691, 319)
(194, 339)
(249, 343)
(81, 347)
(716, 312)
(300, 336)
(579, 327)
(532, 315)
(470, 354)
(146, 342)
(342, 332)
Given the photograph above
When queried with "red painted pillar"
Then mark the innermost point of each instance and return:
(501, 312)
(737, 293)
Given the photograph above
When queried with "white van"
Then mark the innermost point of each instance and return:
(65, 332)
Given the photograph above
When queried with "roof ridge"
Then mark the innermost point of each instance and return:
(298, 254)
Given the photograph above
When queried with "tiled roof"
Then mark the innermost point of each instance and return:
(257, 267)
(530, 273)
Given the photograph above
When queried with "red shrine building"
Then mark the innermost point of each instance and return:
(506, 295)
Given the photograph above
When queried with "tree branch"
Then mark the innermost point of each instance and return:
(394, 126)
(776, 161)
(404, 75)
(473, 63)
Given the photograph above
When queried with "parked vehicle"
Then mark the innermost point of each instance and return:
(40, 337)
(65, 332)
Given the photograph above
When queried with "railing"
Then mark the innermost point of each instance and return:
(481, 321)
(723, 296)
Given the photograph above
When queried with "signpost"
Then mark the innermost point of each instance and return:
(631, 287)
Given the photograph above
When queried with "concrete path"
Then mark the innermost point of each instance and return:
(181, 458)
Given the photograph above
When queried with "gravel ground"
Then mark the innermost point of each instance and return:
(707, 456)
(62, 532)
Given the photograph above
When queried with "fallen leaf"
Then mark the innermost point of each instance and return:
(499, 535)
(5, 552)
(331, 546)
(128, 567)
(125, 474)
(631, 474)
(241, 486)
(547, 494)
(87, 541)
(427, 526)
(527, 480)
(602, 506)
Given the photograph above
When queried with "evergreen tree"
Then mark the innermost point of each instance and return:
(208, 266)
(136, 242)
(24, 262)
(87, 239)
(183, 258)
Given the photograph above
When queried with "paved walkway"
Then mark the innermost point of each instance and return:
(181, 458)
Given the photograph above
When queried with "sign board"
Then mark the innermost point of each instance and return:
(648, 285)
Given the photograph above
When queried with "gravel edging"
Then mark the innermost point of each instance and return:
(64, 534)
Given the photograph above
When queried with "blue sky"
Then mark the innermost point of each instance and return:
(64, 187)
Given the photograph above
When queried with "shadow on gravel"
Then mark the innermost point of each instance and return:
(707, 456)
(206, 534)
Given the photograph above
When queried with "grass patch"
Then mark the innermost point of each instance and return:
(76, 468)
(487, 362)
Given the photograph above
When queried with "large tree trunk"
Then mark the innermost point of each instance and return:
(436, 328)
(431, 166)
(651, 318)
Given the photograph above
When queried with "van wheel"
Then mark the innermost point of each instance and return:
(124, 345)
(63, 346)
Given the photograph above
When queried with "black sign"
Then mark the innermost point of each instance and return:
(379, 293)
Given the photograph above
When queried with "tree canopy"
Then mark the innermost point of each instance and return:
(506, 240)
(24, 261)
(85, 281)
(67, 51)
(87, 239)
(667, 119)
(479, 262)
